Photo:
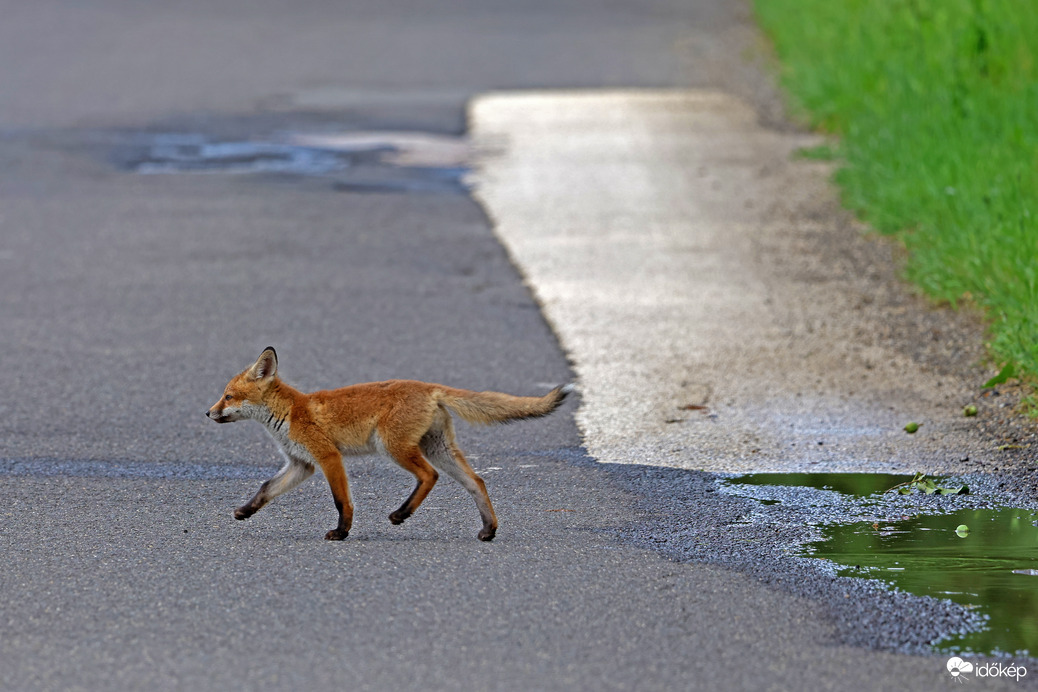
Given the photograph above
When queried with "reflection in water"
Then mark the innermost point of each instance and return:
(393, 162)
(992, 567)
(856, 484)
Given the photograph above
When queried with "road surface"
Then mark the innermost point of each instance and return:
(132, 293)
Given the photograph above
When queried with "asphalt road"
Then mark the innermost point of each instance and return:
(127, 300)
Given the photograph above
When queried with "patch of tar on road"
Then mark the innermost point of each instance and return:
(339, 151)
(371, 161)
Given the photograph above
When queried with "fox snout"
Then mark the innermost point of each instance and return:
(218, 415)
(226, 410)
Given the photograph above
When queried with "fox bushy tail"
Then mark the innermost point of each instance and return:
(486, 408)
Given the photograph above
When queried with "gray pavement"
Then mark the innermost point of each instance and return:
(128, 300)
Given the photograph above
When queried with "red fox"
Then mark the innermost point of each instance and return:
(406, 420)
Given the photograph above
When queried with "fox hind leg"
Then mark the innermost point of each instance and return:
(443, 453)
(410, 458)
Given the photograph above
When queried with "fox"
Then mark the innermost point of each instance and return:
(407, 420)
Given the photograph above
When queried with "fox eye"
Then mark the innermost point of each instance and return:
(227, 398)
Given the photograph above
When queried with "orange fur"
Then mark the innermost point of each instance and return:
(405, 419)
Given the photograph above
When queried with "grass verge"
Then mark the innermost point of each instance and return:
(935, 105)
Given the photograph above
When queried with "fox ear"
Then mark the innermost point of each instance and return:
(266, 366)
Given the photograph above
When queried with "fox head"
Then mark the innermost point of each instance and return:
(245, 391)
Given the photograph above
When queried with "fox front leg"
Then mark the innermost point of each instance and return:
(291, 474)
(335, 474)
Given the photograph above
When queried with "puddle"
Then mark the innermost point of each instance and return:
(992, 568)
(854, 484)
(187, 153)
(354, 161)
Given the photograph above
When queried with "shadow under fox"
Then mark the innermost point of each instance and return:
(406, 420)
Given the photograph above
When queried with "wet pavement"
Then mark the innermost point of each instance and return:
(403, 162)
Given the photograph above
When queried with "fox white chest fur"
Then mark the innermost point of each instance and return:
(278, 428)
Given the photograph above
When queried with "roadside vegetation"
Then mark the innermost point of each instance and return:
(933, 105)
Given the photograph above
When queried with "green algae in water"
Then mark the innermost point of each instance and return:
(993, 568)
(856, 484)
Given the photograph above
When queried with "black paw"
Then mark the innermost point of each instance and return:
(336, 535)
(398, 516)
(243, 512)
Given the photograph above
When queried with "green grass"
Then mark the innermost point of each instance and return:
(935, 105)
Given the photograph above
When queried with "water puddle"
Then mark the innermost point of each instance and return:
(192, 153)
(956, 547)
(354, 162)
(990, 566)
(854, 484)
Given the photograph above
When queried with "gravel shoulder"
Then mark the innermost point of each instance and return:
(722, 312)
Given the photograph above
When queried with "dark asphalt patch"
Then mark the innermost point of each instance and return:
(194, 153)
(364, 162)
(407, 180)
